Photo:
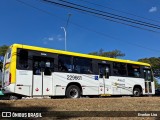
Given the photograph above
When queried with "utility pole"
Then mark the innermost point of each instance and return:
(65, 38)
(65, 31)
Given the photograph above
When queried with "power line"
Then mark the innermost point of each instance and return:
(39, 9)
(119, 17)
(102, 15)
(125, 23)
(88, 29)
(119, 11)
(69, 15)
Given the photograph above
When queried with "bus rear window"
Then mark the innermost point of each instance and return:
(23, 59)
(8, 54)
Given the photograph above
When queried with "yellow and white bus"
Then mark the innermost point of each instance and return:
(36, 71)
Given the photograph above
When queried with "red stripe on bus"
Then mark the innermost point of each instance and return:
(7, 63)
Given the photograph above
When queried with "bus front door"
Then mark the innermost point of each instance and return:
(148, 81)
(105, 85)
(42, 76)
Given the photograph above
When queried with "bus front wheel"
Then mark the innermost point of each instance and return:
(136, 92)
(73, 91)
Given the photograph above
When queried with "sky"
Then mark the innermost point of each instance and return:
(39, 23)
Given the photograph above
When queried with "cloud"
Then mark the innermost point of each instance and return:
(59, 37)
(46, 40)
(51, 38)
(153, 9)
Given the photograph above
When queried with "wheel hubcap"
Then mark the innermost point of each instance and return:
(136, 93)
(73, 93)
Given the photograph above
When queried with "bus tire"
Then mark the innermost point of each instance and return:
(73, 91)
(12, 97)
(136, 92)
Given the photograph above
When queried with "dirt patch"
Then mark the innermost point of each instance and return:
(109, 104)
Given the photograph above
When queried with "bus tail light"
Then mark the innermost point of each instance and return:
(10, 77)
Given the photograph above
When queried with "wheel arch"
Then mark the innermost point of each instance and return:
(75, 83)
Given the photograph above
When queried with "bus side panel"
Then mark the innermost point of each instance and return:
(124, 85)
(9, 89)
(119, 87)
(90, 86)
(23, 82)
(59, 84)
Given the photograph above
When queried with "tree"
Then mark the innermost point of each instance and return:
(3, 50)
(156, 83)
(155, 63)
(112, 54)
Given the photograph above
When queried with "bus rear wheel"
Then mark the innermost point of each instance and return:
(136, 92)
(13, 97)
(73, 91)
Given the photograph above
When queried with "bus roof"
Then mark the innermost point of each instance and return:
(49, 50)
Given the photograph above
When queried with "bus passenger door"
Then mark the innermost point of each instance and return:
(42, 76)
(105, 84)
(148, 80)
(47, 76)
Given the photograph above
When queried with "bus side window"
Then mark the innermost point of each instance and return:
(133, 71)
(104, 71)
(23, 59)
(119, 69)
(148, 75)
(82, 65)
(100, 73)
(65, 63)
(36, 68)
(47, 70)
